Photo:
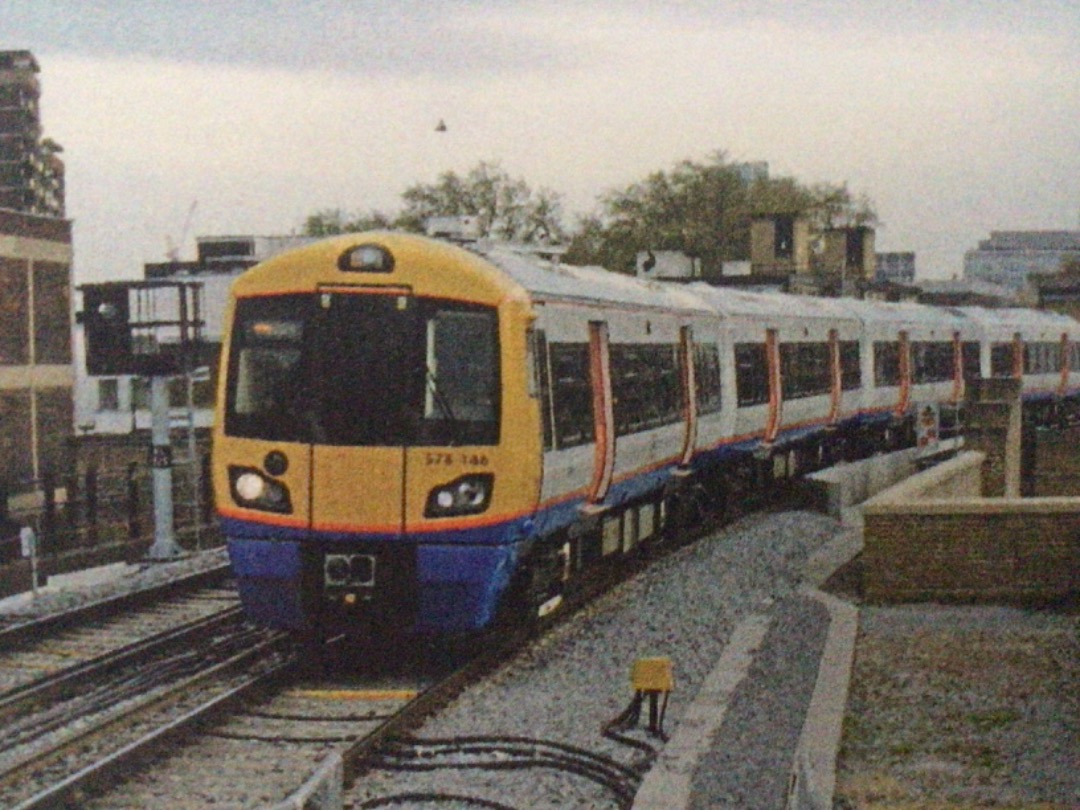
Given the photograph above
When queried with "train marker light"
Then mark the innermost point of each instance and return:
(366, 258)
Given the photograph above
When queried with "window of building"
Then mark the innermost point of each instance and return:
(109, 394)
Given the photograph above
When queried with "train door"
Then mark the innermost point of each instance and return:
(776, 398)
(361, 426)
(603, 412)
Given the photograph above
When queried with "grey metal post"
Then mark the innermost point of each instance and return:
(165, 545)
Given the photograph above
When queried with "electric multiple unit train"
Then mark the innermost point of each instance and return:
(418, 437)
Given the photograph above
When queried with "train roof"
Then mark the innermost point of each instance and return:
(1020, 320)
(732, 302)
(545, 279)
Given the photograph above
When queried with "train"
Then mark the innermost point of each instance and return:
(417, 436)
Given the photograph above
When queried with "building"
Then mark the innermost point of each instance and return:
(36, 373)
(1011, 257)
(967, 293)
(779, 246)
(897, 268)
(113, 404)
(31, 173)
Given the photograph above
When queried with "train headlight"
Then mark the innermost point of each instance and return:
(467, 495)
(253, 490)
(250, 486)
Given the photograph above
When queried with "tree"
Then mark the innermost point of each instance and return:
(506, 207)
(331, 221)
(703, 209)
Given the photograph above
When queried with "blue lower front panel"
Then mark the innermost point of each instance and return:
(268, 579)
(426, 588)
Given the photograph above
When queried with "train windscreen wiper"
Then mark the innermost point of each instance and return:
(443, 405)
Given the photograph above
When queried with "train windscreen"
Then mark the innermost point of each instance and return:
(342, 368)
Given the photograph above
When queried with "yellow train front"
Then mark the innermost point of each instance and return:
(377, 452)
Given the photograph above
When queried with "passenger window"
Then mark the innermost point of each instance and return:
(751, 374)
(571, 394)
(806, 369)
(886, 363)
(850, 370)
(707, 377)
(646, 386)
(1001, 360)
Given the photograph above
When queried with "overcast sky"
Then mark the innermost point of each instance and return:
(955, 118)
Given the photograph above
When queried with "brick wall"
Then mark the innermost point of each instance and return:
(932, 538)
(1057, 462)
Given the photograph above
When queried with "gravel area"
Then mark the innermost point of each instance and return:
(569, 685)
(69, 591)
(963, 706)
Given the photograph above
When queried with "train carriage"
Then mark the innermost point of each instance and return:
(1038, 347)
(415, 437)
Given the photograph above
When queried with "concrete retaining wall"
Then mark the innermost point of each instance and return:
(845, 485)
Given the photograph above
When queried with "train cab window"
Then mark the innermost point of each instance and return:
(645, 386)
(805, 368)
(932, 361)
(461, 365)
(751, 374)
(571, 394)
(886, 363)
(971, 360)
(707, 377)
(850, 368)
(1001, 360)
(363, 370)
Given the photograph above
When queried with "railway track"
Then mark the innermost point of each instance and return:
(58, 647)
(56, 748)
(238, 736)
(363, 711)
(264, 746)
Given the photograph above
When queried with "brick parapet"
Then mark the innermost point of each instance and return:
(932, 538)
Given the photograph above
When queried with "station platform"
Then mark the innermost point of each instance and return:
(764, 729)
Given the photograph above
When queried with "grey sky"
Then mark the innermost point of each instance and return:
(955, 118)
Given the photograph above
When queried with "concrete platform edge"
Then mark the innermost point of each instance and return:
(814, 770)
(667, 784)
